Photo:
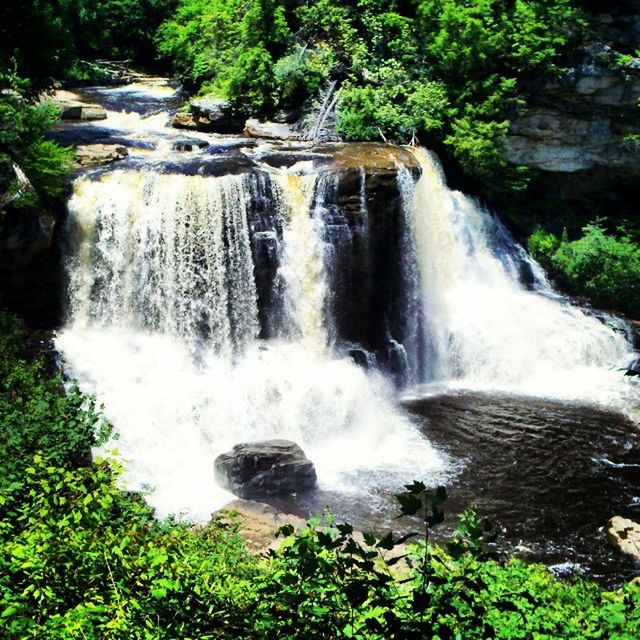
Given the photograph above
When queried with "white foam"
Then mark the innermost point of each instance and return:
(174, 415)
(487, 330)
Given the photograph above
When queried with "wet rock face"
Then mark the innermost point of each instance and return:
(30, 266)
(359, 204)
(265, 468)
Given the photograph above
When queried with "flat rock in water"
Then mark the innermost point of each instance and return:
(72, 108)
(258, 523)
(91, 155)
(270, 130)
(265, 468)
(624, 535)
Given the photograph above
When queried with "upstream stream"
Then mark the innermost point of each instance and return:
(224, 290)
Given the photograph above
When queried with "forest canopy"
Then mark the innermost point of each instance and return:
(452, 73)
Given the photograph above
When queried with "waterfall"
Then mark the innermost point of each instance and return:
(206, 310)
(167, 274)
(302, 265)
(168, 253)
(484, 327)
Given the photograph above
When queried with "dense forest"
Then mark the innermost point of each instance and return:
(79, 558)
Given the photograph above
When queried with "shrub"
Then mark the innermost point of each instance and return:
(37, 414)
(394, 107)
(543, 245)
(603, 267)
(22, 129)
(78, 558)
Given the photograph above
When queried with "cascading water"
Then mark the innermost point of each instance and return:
(483, 328)
(207, 310)
(163, 327)
(165, 253)
(301, 266)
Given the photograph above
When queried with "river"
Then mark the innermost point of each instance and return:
(221, 291)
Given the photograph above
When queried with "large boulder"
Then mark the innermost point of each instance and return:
(624, 535)
(265, 468)
(210, 115)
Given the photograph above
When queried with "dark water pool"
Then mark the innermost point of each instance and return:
(547, 474)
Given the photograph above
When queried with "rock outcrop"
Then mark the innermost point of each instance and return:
(95, 155)
(30, 265)
(209, 115)
(624, 535)
(581, 123)
(72, 108)
(258, 523)
(581, 133)
(265, 468)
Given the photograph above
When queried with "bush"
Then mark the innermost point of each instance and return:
(78, 558)
(543, 245)
(393, 106)
(45, 163)
(228, 48)
(37, 414)
(603, 267)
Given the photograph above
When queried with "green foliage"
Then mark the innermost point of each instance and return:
(35, 43)
(599, 265)
(117, 28)
(336, 583)
(453, 72)
(603, 267)
(394, 106)
(37, 414)
(228, 48)
(80, 559)
(542, 245)
(22, 128)
(301, 74)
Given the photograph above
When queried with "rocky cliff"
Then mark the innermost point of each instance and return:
(581, 134)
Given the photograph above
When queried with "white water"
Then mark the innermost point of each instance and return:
(302, 267)
(163, 326)
(164, 253)
(162, 329)
(489, 332)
